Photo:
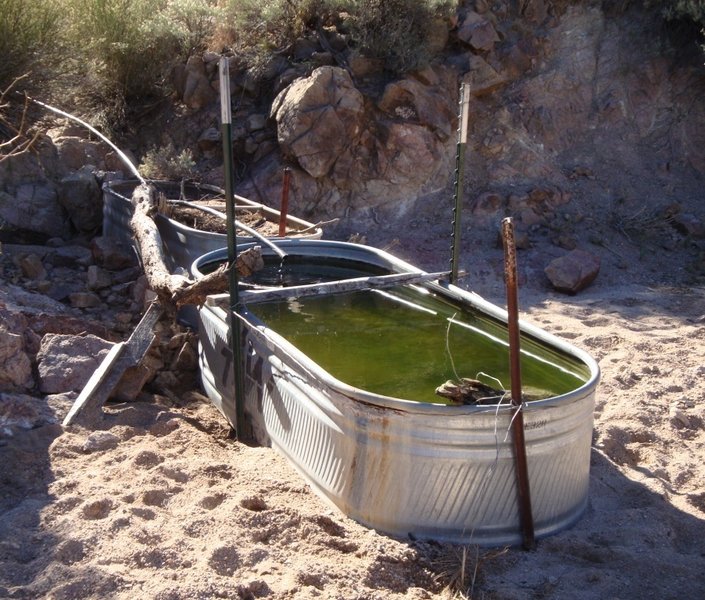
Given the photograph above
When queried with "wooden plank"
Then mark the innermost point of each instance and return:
(95, 383)
(123, 355)
(337, 287)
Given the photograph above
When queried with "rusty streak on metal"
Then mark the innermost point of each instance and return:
(522, 472)
(285, 202)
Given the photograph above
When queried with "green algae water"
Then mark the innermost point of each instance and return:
(406, 341)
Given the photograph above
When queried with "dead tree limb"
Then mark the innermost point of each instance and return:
(174, 290)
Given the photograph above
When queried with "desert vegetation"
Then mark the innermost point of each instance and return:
(113, 56)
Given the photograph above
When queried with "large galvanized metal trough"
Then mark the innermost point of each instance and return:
(184, 244)
(400, 463)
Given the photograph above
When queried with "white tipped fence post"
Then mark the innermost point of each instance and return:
(235, 345)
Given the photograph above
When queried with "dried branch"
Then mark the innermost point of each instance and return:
(175, 290)
(20, 142)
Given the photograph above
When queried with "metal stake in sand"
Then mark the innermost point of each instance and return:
(284, 209)
(226, 129)
(510, 272)
(459, 162)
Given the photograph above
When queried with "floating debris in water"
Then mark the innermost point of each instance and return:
(470, 391)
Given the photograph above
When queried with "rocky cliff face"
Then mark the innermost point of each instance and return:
(583, 105)
(595, 107)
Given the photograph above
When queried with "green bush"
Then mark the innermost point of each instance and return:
(397, 31)
(690, 9)
(258, 30)
(125, 49)
(28, 33)
(394, 30)
(166, 163)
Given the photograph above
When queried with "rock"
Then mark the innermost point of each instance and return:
(488, 204)
(256, 121)
(483, 77)
(411, 100)
(209, 141)
(84, 300)
(15, 299)
(98, 441)
(186, 359)
(76, 152)
(318, 118)
(66, 362)
(411, 154)
(70, 256)
(79, 193)
(363, 66)
(197, 90)
(97, 278)
(132, 381)
(678, 416)
(478, 32)
(573, 272)
(32, 266)
(15, 365)
(303, 49)
(112, 254)
(320, 59)
(34, 207)
(24, 412)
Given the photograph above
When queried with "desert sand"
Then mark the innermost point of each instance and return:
(163, 504)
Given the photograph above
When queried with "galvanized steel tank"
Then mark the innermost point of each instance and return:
(405, 468)
(183, 244)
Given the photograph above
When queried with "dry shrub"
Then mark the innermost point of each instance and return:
(166, 163)
(397, 31)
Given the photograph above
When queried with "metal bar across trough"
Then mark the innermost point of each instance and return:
(337, 287)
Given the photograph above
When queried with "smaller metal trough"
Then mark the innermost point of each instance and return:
(185, 244)
(406, 467)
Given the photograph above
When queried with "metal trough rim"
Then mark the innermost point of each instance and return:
(443, 288)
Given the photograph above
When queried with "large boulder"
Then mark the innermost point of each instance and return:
(356, 153)
(34, 207)
(318, 118)
(80, 195)
(66, 362)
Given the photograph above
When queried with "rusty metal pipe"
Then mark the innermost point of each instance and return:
(522, 471)
(285, 202)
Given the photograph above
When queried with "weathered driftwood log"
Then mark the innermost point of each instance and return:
(172, 289)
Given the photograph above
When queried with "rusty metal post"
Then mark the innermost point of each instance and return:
(285, 202)
(522, 471)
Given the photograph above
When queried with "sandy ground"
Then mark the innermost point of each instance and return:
(163, 504)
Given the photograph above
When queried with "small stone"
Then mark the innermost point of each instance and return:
(678, 417)
(97, 278)
(186, 360)
(84, 300)
(123, 317)
(99, 441)
(256, 122)
(32, 266)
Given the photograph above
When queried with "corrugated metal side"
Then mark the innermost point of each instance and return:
(446, 475)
